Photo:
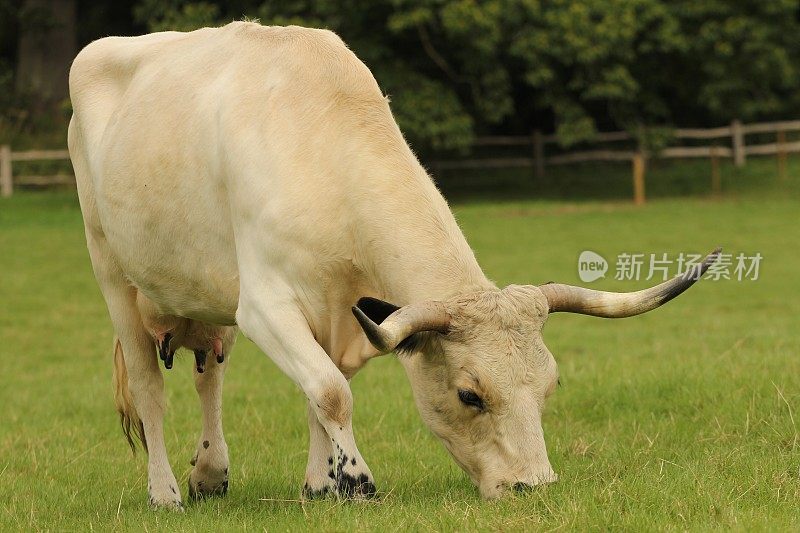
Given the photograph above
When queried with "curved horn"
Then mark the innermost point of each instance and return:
(386, 325)
(571, 299)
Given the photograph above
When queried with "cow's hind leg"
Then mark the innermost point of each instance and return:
(210, 473)
(146, 387)
(145, 384)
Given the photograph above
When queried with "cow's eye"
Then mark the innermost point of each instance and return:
(468, 397)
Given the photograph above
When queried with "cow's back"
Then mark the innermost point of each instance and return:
(171, 129)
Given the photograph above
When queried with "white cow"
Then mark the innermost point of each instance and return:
(255, 176)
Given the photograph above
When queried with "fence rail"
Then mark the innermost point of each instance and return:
(738, 150)
(7, 179)
(39, 155)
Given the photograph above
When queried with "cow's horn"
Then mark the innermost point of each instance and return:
(386, 325)
(571, 299)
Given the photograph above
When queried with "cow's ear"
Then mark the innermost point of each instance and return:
(375, 309)
(388, 326)
(371, 313)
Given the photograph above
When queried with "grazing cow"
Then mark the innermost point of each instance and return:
(255, 176)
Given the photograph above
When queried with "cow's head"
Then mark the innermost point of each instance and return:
(481, 372)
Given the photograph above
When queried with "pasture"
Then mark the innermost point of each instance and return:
(685, 418)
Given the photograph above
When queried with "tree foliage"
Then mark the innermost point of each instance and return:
(457, 68)
(454, 67)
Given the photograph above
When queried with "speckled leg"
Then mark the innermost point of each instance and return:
(210, 473)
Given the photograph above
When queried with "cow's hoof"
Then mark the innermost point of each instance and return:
(319, 484)
(205, 486)
(355, 487)
(169, 505)
(310, 493)
(352, 477)
(166, 498)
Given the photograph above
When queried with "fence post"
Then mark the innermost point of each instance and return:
(781, 153)
(716, 182)
(738, 143)
(638, 178)
(538, 153)
(6, 183)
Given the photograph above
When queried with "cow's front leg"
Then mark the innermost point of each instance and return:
(349, 470)
(320, 477)
(209, 477)
(281, 331)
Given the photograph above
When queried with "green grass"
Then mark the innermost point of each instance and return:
(679, 419)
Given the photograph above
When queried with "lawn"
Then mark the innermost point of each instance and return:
(685, 418)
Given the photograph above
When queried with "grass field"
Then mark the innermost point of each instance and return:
(685, 418)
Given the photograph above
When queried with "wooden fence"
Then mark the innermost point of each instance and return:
(8, 180)
(734, 135)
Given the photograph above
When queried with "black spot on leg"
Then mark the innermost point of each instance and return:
(331, 474)
(353, 461)
(330, 460)
(311, 494)
(206, 444)
(355, 486)
(173, 490)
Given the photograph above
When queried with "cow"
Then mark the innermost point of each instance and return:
(254, 177)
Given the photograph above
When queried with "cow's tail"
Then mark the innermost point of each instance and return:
(128, 417)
